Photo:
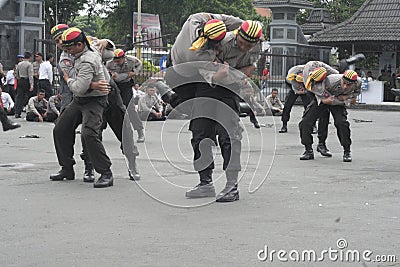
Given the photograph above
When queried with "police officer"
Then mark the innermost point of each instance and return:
(87, 107)
(333, 93)
(24, 74)
(240, 49)
(123, 69)
(294, 79)
(195, 42)
(114, 113)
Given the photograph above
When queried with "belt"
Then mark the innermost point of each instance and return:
(44, 80)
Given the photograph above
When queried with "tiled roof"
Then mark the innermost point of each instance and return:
(269, 3)
(376, 20)
(319, 20)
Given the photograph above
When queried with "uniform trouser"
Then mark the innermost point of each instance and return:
(211, 116)
(313, 112)
(22, 95)
(3, 118)
(342, 125)
(114, 115)
(50, 117)
(184, 88)
(89, 112)
(289, 102)
(46, 86)
(36, 87)
(66, 99)
(125, 92)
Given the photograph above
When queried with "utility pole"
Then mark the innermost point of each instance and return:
(139, 31)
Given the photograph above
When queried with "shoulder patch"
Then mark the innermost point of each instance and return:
(68, 62)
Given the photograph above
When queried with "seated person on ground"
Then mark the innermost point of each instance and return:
(274, 104)
(150, 107)
(37, 107)
(53, 108)
(8, 103)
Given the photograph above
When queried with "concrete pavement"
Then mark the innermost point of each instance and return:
(300, 205)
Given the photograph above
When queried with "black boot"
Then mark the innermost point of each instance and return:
(7, 124)
(88, 175)
(64, 173)
(140, 136)
(284, 128)
(205, 188)
(254, 120)
(105, 180)
(347, 156)
(321, 148)
(308, 154)
(165, 91)
(133, 171)
(230, 193)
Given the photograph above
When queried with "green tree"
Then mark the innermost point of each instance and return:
(61, 11)
(89, 24)
(340, 10)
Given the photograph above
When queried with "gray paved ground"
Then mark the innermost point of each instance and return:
(300, 206)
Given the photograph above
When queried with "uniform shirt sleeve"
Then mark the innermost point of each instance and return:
(30, 74)
(142, 104)
(231, 22)
(68, 66)
(81, 83)
(31, 105)
(52, 105)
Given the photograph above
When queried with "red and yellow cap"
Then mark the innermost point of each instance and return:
(213, 30)
(297, 77)
(350, 76)
(72, 36)
(58, 30)
(317, 75)
(118, 54)
(251, 31)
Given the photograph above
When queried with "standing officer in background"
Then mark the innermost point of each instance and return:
(87, 107)
(123, 69)
(115, 111)
(333, 93)
(24, 74)
(46, 75)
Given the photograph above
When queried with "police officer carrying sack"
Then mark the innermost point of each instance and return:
(294, 79)
(87, 108)
(333, 92)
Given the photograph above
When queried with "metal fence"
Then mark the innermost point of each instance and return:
(276, 64)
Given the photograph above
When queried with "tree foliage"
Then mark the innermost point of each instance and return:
(340, 10)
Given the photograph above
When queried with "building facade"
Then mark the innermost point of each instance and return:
(21, 25)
